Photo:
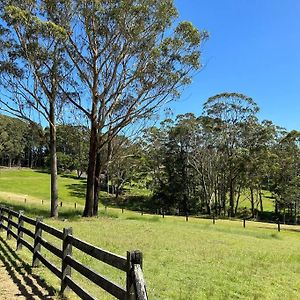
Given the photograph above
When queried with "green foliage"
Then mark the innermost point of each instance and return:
(12, 140)
(72, 147)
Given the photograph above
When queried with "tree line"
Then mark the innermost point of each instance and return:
(211, 164)
(26, 144)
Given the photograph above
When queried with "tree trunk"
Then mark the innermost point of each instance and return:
(295, 221)
(107, 183)
(186, 209)
(28, 158)
(90, 186)
(261, 201)
(231, 198)
(117, 192)
(97, 184)
(53, 163)
(223, 197)
(237, 201)
(252, 201)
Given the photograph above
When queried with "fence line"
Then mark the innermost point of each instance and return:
(135, 288)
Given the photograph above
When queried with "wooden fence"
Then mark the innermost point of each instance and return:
(131, 265)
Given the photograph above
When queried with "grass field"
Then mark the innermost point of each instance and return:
(182, 260)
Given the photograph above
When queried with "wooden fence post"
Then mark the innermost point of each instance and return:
(214, 220)
(244, 222)
(129, 278)
(133, 257)
(67, 250)
(20, 232)
(278, 225)
(9, 226)
(37, 244)
(1, 222)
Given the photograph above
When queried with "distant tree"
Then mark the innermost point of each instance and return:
(12, 141)
(259, 141)
(125, 164)
(35, 146)
(230, 115)
(72, 144)
(285, 172)
(154, 147)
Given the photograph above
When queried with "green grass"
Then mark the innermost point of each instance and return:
(182, 260)
(36, 184)
(268, 201)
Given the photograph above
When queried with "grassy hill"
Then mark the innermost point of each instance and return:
(182, 260)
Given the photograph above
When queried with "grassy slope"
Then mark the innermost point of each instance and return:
(182, 260)
(37, 184)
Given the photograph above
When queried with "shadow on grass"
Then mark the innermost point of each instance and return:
(61, 174)
(64, 213)
(77, 189)
(72, 176)
(34, 211)
(43, 171)
(29, 284)
(132, 202)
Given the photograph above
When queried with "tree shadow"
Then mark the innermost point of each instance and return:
(132, 202)
(43, 171)
(77, 189)
(30, 285)
(31, 210)
(60, 173)
(72, 176)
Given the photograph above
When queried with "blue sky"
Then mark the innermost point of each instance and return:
(254, 48)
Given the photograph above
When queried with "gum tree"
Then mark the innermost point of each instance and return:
(128, 59)
(230, 116)
(33, 68)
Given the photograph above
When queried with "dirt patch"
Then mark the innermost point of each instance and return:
(16, 280)
(8, 289)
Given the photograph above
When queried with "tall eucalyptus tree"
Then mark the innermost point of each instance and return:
(230, 115)
(33, 67)
(128, 59)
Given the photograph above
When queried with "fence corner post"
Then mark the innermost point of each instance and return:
(37, 244)
(9, 225)
(133, 257)
(66, 250)
(20, 232)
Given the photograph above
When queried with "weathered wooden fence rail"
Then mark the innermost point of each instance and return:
(14, 224)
